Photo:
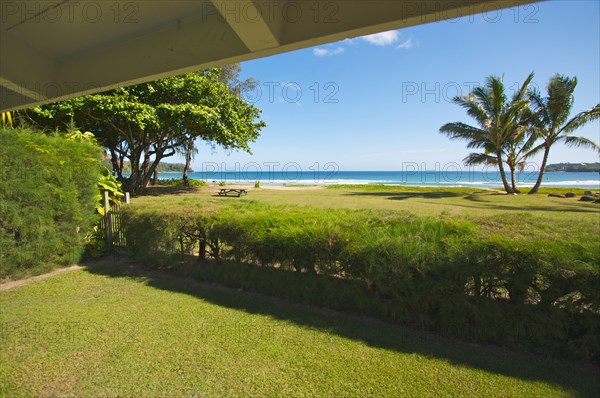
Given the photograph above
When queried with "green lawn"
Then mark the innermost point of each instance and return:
(425, 201)
(526, 216)
(112, 331)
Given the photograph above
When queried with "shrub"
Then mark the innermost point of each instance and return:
(440, 273)
(178, 182)
(48, 189)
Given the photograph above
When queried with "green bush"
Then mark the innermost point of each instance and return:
(440, 273)
(48, 187)
(178, 182)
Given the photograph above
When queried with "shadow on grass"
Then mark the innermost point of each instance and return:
(480, 197)
(567, 205)
(581, 378)
(165, 190)
(407, 195)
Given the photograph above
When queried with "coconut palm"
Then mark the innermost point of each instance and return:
(551, 119)
(519, 147)
(501, 132)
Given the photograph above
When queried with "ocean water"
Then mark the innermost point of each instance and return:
(443, 178)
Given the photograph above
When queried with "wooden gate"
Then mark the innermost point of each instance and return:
(111, 223)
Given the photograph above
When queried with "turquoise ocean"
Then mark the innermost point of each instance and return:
(439, 178)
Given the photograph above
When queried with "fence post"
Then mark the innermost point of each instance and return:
(107, 221)
(127, 198)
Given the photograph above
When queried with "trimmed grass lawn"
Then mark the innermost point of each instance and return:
(115, 330)
(532, 217)
(423, 201)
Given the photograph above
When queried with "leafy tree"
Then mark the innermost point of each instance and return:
(501, 133)
(230, 76)
(551, 119)
(148, 122)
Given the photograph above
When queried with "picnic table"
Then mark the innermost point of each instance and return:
(233, 191)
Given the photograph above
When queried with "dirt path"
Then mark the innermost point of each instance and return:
(11, 284)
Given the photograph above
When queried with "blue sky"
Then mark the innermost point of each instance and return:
(374, 103)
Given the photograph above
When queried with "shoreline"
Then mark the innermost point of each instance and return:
(266, 185)
(418, 179)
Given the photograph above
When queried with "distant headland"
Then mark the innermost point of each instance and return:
(574, 167)
(163, 167)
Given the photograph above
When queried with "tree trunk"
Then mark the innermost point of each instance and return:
(202, 251)
(507, 187)
(541, 172)
(147, 174)
(513, 180)
(114, 159)
(188, 160)
(120, 168)
(155, 176)
(147, 167)
(132, 183)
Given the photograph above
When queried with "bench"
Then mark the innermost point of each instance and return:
(237, 192)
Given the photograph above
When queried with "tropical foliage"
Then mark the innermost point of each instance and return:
(48, 189)
(108, 183)
(508, 131)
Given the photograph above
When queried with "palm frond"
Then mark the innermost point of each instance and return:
(460, 130)
(497, 101)
(539, 117)
(480, 158)
(580, 142)
(581, 119)
(534, 151)
(521, 93)
(560, 98)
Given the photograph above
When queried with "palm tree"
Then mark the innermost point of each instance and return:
(501, 133)
(518, 147)
(551, 119)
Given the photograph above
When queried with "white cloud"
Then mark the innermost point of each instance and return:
(326, 52)
(406, 44)
(383, 38)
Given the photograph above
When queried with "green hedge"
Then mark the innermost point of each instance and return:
(435, 273)
(47, 197)
(178, 182)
